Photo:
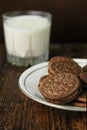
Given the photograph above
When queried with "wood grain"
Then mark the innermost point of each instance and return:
(2, 55)
(18, 112)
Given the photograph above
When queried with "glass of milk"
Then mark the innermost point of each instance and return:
(27, 36)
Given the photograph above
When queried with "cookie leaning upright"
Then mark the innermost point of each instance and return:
(83, 76)
(84, 68)
(59, 64)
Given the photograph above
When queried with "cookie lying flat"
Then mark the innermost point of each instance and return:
(80, 104)
(66, 100)
(61, 64)
(81, 100)
(60, 88)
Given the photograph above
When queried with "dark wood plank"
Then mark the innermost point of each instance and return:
(69, 49)
(2, 55)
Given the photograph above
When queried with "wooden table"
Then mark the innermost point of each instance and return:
(18, 112)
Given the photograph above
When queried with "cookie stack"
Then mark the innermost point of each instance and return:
(81, 100)
(62, 84)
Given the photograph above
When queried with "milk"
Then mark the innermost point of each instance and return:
(27, 36)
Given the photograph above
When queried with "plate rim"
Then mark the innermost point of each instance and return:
(33, 68)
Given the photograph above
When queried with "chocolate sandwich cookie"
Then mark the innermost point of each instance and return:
(85, 68)
(80, 104)
(83, 96)
(83, 77)
(41, 79)
(81, 100)
(61, 64)
(66, 100)
(60, 88)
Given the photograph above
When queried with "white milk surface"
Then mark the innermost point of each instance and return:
(27, 36)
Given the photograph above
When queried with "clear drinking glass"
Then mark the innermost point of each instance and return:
(27, 36)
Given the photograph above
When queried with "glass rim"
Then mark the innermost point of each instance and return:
(11, 14)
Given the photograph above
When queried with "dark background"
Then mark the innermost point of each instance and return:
(69, 22)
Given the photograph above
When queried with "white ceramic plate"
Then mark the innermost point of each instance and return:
(29, 79)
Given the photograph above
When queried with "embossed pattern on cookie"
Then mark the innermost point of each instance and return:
(60, 64)
(60, 86)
